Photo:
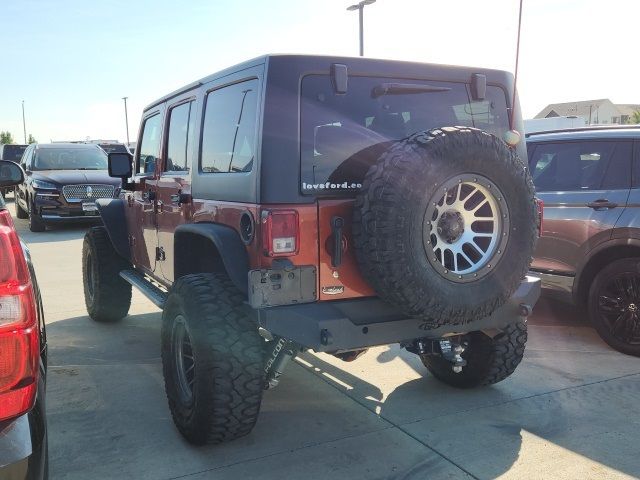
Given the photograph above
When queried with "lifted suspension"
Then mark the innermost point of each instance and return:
(280, 355)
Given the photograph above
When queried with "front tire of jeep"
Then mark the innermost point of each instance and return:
(107, 296)
(212, 359)
(489, 360)
(445, 224)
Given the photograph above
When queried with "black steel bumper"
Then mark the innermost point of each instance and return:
(360, 323)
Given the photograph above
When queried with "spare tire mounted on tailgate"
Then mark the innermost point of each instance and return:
(445, 224)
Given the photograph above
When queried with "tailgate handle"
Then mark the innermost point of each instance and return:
(602, 204)
(336, 232)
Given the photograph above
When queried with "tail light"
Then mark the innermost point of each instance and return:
(280, 233)
(19, 335)
(540, 206)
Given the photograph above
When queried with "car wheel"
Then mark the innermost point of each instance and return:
(20, 212)
(614, 305)
(212, 359)
(36, 224)
(489, 359)
(107, 296)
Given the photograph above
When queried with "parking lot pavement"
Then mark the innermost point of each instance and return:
(571, 410)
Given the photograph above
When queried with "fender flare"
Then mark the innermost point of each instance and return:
(114, 219)
(227, 242)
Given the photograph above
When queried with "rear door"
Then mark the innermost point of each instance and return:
(174, 184)
(628, 225)
(585, 187)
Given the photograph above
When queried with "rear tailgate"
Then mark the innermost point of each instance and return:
(345, 280)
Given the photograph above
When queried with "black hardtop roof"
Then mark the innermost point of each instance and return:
(283, 64)
(588, 132)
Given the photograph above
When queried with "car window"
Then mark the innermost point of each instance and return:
(180, 138)
(149, 145)
(341, 135)
(60, 158)
(577, 166)
(229, 130)
(13, 152)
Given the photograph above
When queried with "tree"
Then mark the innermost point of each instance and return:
(31, 139)
(6, 137)
(635, 118)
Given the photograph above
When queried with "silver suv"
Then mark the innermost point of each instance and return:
(589, 250)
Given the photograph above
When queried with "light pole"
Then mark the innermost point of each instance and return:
(360, 7)
(24, 124)
(126, 119)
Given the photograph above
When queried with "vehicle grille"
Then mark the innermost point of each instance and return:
(78, 193)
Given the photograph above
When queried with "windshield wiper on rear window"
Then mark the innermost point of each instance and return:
(404, 88)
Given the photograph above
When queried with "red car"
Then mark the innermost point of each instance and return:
(23, 352)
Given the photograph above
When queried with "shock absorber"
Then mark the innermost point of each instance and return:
(281, 354)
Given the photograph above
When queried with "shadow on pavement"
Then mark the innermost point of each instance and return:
(482, 430)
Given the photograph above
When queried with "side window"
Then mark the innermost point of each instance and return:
(579, 166)
(228, 133)
(180, 138)
(149, 145)
(636, 165)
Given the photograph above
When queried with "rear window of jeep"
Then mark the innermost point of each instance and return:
(342, 135)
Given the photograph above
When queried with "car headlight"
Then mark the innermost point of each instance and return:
(42, 185)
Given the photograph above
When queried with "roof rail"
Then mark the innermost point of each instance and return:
(584, 129)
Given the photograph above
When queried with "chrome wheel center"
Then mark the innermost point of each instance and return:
(466, 227)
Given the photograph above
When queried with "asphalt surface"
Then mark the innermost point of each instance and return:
(571, 410)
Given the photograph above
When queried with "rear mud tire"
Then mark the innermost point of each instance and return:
(107, 296)
(224, 387)
(391, 235)
(489, 360)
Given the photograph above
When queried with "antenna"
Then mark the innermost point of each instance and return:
(515, 76)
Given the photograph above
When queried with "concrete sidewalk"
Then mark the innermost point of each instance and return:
(571, 410)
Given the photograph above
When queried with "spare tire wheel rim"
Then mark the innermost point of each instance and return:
(466, 228)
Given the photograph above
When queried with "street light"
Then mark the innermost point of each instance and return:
(360, 7)
(126, 119)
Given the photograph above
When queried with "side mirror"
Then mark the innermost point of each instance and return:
(10, 174)
(120, 165)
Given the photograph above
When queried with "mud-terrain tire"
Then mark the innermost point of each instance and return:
(489, 360)
(20, 213)
(107, 296)
(614, 305)
(215, 378)
(36, 223)
(404, 200)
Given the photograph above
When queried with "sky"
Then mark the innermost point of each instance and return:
(72, 61)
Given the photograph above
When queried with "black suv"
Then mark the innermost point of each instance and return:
(589, 251)
(62, 183)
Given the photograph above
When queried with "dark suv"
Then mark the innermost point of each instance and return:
(63, 181)
(304, 202)
(589, 251)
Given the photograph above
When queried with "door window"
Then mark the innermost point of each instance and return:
(149, 145)
(229, 130)
(578, 166)
(180, 138)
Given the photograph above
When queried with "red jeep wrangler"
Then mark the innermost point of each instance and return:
(308, 202)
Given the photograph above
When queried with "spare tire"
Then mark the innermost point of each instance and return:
(445, 224)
